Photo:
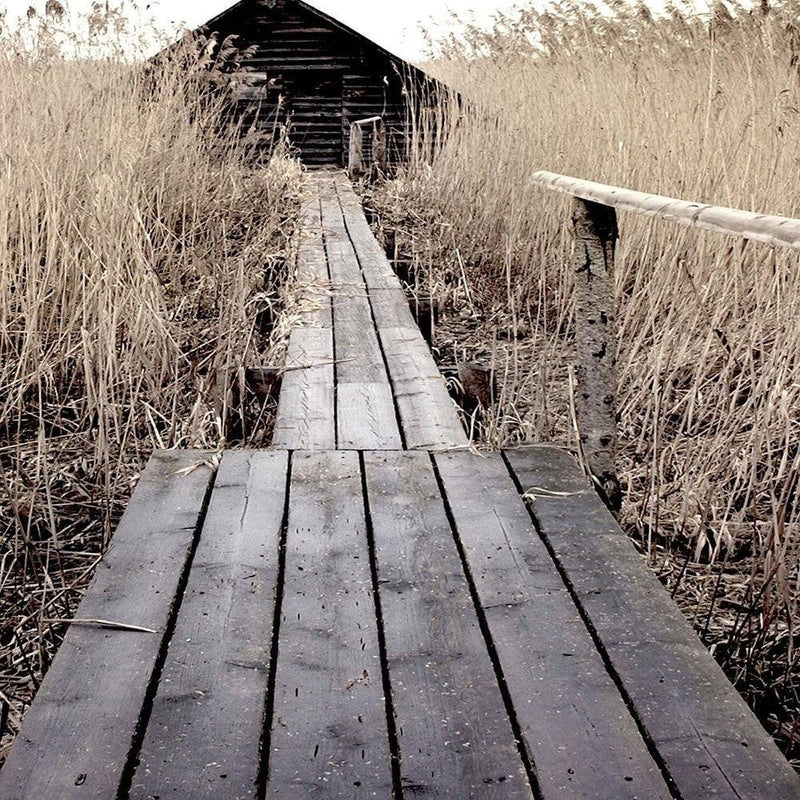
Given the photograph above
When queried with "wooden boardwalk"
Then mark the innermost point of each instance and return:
(361, 375)
(367, 611)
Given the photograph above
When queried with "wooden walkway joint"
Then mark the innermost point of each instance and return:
(340, 617)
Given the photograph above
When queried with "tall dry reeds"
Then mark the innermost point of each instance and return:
(139, 253)
(706, 110)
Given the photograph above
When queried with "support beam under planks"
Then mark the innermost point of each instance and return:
(581, 737)
(427, 413)
(366, 416)
(78, 737)
(204, 735)
(306, 418)
(709, 741)
(329, 735)
(454, 735)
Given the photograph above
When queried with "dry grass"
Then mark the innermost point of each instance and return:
(709, 396)
(140, 254)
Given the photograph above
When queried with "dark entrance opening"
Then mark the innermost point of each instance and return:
(315, 115)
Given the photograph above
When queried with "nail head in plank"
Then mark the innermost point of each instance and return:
(711, 743)
(205, 729)
(329, 733)
(77, 736)
(582, 739)
(454, 735)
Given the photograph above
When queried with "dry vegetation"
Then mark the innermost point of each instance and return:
(139, 253)
(710, 343)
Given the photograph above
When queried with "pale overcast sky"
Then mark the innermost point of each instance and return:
(394, 24)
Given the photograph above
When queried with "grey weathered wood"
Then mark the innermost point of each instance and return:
(583, 741)
(204, 735)
(365, 407)
(329, 733)
(595, 229)
(380, 148)
(306, 413)
(778, 231)
(710, 742)
(454, 735)
(355, 161)
(77, 736)
(427, 413)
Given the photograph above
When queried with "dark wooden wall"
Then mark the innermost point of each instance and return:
(317, 76)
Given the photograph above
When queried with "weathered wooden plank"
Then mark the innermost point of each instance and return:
(365, 408)
(427, 413)
(454, 735)
(329, 732)
(709, 741)
(204, 735)
(306, 418)
(77, 736)
(581, 737)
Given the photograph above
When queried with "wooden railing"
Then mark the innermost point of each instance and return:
(356, 168)
(595, 225)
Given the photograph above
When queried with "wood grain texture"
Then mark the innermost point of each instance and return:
(306, 418)
(306, 68)
(77, 736)
(708, 739)
(454, 735)
(581, 737)
(365, 408)
(204, 735)
(778, 231)
(427, 413)
(329, 734)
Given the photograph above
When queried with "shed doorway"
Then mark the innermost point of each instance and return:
(315, 115)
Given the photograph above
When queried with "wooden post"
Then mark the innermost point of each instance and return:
(595, 227)
(379, 155)
(355, 164)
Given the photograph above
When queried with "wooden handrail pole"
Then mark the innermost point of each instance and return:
(379, 148)
(595, 228)
(355, 163)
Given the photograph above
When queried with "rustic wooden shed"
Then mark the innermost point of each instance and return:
(309, 71)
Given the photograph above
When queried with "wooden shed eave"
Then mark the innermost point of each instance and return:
(415, 71)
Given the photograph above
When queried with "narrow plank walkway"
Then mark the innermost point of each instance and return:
(332, 619)
(361, 376)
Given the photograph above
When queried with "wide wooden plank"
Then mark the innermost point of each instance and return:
(366, 413)
(78, 734)
(427, 412)
(306, 418)
(708, 739)
(329, 732)
(581, 737)
(205, 730)
(454, 735)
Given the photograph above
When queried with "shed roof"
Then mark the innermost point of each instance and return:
(228, 8)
